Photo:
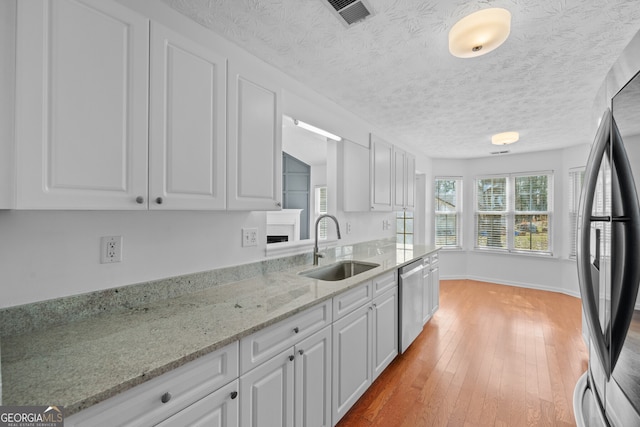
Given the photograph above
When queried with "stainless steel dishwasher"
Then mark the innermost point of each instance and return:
(410, 303)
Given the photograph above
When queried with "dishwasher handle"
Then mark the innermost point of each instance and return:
(409, 273)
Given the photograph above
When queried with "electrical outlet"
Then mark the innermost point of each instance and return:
(110, 249)
(249, 237)
(348, 228)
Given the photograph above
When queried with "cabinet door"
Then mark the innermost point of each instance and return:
(435, 288)
(313, 380)
(267, 393)
(356, 182)
(385, 331)
(410, 179)
(399, 179)
(187, 128)
(352, 337)
(81, 105)
(254, 142)
(381, 174)
(219, 409)
(427, 294)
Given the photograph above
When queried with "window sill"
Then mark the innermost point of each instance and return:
(517, 253)
(451, 248)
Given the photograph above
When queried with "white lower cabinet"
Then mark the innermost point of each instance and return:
(292, 388)
(427, 291)
(352, 342)
(431, 283)
(219, 409)
(435, 287)
(267, 393)
(365, 342)
(313, 380)
(385, 330)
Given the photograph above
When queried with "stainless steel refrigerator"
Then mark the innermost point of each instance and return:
(608, 394)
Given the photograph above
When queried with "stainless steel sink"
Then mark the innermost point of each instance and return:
(339, 270)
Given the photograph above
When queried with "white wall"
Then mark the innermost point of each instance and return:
(551, 273)
(7, 89)
(49, 254)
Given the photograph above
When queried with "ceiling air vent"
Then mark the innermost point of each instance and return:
(349, 11)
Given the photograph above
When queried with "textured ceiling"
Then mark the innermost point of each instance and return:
(394, 69)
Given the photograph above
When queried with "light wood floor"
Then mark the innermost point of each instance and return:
(492, 355)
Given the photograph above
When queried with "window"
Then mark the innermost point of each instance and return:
(491, 212)
(321, 209)
(576, 177)
(404, 227)
(513, 212)
(448, 212)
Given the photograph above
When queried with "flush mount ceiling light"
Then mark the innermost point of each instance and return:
(505, 138)
(314, 129)
(479, 33)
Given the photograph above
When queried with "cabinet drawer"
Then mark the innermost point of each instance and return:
(220, 408)
(348, 301)
(142, 405)
(266, 343)
(384, 282)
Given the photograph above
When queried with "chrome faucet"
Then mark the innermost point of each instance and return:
(317, 254)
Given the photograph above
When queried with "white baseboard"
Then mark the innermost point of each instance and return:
(516, 284)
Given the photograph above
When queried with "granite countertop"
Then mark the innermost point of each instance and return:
(81, 363)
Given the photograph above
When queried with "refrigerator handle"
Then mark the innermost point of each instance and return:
(586, 270)
(625, 245)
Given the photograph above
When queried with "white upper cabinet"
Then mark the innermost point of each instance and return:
(381, 154)
(410, 187)
(399, 177)
(404, 180)
(81, 105)
(187, 128)
(385, 183)
(355, 177)
(254, 148)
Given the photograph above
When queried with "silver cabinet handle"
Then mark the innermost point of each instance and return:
(159, 200)
(165, 397)
(234, 394)
(139, 200)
